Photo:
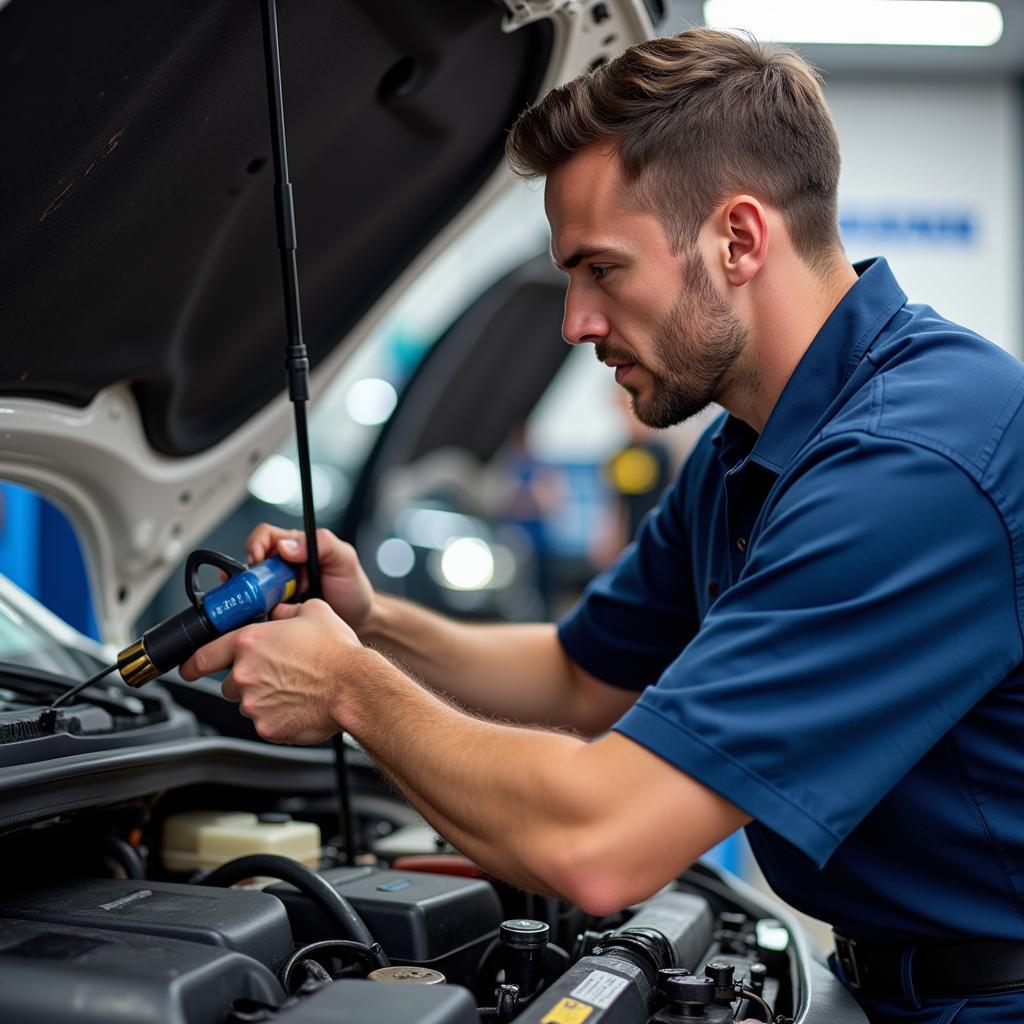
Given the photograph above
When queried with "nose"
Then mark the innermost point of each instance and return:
(582, 320)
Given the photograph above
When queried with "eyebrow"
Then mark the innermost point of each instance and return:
(583, 253)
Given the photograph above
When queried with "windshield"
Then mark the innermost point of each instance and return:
(24, 644)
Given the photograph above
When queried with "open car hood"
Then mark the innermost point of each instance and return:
(141, 371)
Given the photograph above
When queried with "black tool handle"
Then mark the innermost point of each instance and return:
(195, 561)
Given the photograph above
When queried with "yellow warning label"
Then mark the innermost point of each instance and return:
(289, 590)
(568, 1011)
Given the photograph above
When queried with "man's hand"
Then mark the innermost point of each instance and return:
(345, 586)
(287, 674)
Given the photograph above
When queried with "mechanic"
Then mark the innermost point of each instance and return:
(817, 633)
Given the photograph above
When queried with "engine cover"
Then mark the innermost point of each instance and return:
(248, 922)
(436, 921)
(52, 974)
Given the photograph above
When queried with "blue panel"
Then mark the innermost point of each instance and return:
(19, 536)
(40, 553)
(63, 584)
(727, 854)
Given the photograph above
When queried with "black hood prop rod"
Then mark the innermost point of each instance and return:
(297, 365)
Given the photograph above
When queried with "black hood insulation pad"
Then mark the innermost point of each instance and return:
(137, 238)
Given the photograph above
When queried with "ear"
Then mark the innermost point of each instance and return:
(743, 238)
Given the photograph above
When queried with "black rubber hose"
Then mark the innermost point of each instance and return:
(371, 956)
(316, 971)
(126, 856)
(305, 880)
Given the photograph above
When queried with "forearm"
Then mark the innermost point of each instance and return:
(602, 824)
(454, 769)
(544, 810)
(515, 671)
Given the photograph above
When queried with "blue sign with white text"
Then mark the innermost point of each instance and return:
(910, 227)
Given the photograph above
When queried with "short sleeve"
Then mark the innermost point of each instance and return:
(634, 618)
(877, 605)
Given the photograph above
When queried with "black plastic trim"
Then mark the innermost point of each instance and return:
(40, 791)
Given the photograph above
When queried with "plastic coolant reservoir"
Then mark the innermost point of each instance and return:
(207, 839)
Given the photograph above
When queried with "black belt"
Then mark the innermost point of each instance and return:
(937, 969)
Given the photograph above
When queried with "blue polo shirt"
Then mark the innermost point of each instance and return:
(825, 624)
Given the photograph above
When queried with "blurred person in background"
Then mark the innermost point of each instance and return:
(529, 495)
(635, 475)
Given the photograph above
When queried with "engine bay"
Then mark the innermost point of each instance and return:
(95, 926)
(165, 864)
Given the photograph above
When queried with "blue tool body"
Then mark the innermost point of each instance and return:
(243, 598)
(248, 595)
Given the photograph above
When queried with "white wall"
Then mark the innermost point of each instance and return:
(915, 153)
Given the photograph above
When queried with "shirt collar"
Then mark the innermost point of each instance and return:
(833, 355)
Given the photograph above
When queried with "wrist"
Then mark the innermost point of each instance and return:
(364, 674)
(374, 627)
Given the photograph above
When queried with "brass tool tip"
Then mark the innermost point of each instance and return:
(135, 666)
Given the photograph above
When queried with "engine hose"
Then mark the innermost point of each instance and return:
(305, 880)
(507, 1005)
(126, 856)
(371, 956)
(769, 1014)
(316, 971)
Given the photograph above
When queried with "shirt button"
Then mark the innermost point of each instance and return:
(741, 543)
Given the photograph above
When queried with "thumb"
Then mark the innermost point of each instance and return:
(292, 549)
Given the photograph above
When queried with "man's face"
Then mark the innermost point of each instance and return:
(652, 314)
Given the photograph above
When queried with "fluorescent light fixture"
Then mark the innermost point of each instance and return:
(277, 482)
(862, 22)
(434, 527)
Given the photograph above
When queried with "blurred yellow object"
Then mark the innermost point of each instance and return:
(634, 471)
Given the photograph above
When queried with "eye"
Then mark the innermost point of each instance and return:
(599, 272)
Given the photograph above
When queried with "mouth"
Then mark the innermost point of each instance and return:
(619, 362)
(622, 368)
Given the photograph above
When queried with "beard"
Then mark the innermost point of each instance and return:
(692, 351)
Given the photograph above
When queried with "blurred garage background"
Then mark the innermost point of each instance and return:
(483, 468)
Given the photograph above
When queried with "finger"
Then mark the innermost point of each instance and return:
(229, 690)
(285, 611)
(331, 551)
(316, 608)
(263, 540)
(217, 654)
(265, 544)
(323, 612)
(292, 549)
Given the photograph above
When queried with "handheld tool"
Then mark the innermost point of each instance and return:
(248, 595)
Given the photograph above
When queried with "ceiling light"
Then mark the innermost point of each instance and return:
(862, 22)
(277, 482)
(371, 401)
(467, 564)
(395, 558)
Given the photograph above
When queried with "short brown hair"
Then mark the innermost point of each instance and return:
(697, 117)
